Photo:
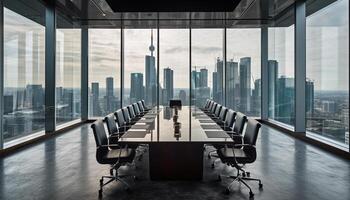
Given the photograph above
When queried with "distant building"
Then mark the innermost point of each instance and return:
(309, 98)
(95, 95)
(203, 78)
(329, 106)
(168, 82)
(110, 98)
(136, 89)
(232, 84)
(245, 84)
(272, 66)
(182, 97)
(285, 100)
(347, 137)
(151, 76)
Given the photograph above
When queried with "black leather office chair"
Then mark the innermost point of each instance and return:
(137, 110)
(113, 129)
(227, 124)
(210, 104)
(127, 116)
(238, 127)
(115, 157)
(241, 154)
(212, 109)
(217, 111)
(144, 105)
(123, 125)
(222, 115)
(206, 105)
(141, 108)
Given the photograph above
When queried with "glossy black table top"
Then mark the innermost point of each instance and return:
(163, 127)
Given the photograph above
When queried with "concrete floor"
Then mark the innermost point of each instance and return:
(64, 167)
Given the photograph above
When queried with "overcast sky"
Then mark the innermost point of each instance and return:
(327, 51)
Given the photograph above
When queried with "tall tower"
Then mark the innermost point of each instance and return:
(245, 87)
(151, 89)
(168, 84)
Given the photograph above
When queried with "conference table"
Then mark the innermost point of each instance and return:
(176, 138)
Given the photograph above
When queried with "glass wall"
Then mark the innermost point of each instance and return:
(281, 74)
(207, 70)
(68, 73)
(140, 70)
(243, 67)
(174, 65)
(104, 71)
(24, 74)
(327, 71)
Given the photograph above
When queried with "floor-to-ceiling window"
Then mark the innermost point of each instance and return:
(140, 66)
(68, 72)
(174, 65)
(327, 71)
(207, 70)
(104, 71)
(281, 98)
(24, 71)
(243, 67)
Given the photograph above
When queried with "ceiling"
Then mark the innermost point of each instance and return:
(97, 13)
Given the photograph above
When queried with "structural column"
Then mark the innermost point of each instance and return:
(50, 68)
(300, 66)
(84, 72)
(1, 72)
(264, 74)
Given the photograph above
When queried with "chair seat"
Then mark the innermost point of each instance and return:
(227, 156)
(112, 156)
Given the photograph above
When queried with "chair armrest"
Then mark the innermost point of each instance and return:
(243, 145)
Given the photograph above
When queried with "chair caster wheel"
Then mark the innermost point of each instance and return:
(243, 174)
(248, 174)
(212, 166)
(251, 194)
(227, 191)
(260, 185)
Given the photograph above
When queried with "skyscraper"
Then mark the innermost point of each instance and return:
(151, 82)
(96, 110)
(109, 98)
(168, 83)
(232, 84)
(182, 97)
(203, 78)
(272, 66)
(285, 100)
(136, 90)
(195, 79)
(309, 98)
(245, 84)
(218, 82)
(34, 97)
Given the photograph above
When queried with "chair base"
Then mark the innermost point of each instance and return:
(241, 178)
(114, 177)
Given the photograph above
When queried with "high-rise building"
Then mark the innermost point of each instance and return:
(256, 97)
(272, 66)
(136, 89)
(245, 84)
(95, 93)
(232, 84)
(218, 81)
(168, 84)
(195, 79)
(203, 78)
(109, 98)
(309, 97)
(285, 100)
(182, 97)
(151, 78)
(34, 97)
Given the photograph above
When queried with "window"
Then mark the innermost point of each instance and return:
(243, 83)
(327, 64)
(140, 70)
(174, 65)
(281, 74)
(68, 72)
(24, 75)
(104, 71)
(207, 71)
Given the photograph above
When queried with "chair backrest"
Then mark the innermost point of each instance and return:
(143, 104)
(250, 137)
(131, 111)
(140, 106)
(206, 104)
(120, 117)
(126, 114)
(100, 139)
(230, 118)
(212, 110)
(112, 127)
(223, 113)
(136, 108)
(217, 110)
(239, 123)
(211, 103)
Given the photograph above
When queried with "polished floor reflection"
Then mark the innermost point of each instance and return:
(64, 167)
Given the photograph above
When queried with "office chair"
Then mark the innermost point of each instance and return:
(127, 116)
(137, 110)
(217, 112)
(141, 108)
(123, 125)
(241, 154)
(210, 104)
(238, 127)
(113, 129)
(205, 105)
(115, 157)
(144, 105)
(132, 113)
(222, 115)
(212, 108)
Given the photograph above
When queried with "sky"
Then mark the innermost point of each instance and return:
(327, 51)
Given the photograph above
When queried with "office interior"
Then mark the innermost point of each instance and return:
(225, 99)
